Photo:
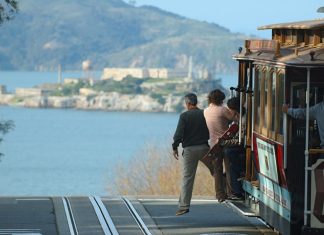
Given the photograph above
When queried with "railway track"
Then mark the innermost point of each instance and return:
(106, 220)
(91, 215)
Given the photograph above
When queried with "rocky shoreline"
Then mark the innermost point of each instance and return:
(130, 95)
(107, 101)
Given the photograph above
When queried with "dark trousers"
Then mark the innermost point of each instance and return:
(234, 158)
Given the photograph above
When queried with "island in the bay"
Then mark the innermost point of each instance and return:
(119, 89)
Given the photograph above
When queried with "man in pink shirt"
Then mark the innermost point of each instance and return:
(217, 118)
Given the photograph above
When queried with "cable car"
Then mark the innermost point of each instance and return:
(284, 175)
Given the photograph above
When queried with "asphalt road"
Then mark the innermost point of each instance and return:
(122, 215)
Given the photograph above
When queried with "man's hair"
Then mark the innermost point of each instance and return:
(234, 103)
(191, 98)
(216, 97)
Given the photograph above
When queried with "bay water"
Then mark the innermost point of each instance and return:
(53, 152)
(73, 152)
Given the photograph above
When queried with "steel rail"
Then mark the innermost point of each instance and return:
(136, 216)
(69, 216)
(103, 216)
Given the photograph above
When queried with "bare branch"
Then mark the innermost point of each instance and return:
(8, 8)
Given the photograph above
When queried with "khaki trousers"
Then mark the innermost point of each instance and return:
(191, 157)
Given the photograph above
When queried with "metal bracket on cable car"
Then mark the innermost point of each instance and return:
(249, 91)
(238, 89)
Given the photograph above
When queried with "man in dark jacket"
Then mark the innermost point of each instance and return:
(193, 133)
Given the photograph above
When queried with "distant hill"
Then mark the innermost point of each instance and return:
(112, 33)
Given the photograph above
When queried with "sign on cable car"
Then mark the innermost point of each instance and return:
(267, 158)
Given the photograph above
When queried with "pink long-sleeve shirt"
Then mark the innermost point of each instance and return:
(217, 119)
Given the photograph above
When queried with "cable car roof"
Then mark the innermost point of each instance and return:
(289, 45)
(289, 55)
(308, 24)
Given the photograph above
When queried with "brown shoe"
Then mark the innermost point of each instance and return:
(182, 211)
(221, 199)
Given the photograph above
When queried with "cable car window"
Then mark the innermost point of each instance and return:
(307, 37)
(300, 97)
(265, 98)
(258, 75)
(273, 109)
(280, 92)
(300, 36)
(311, 37)
(289, 37)
(294, 36)
(299, 101)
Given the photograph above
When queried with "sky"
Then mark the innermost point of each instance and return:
(242, 16)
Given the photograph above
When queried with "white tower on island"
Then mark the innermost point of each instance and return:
(59, 75)
(190, 75)
(86, 69)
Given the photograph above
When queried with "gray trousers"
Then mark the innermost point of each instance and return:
(191, 157)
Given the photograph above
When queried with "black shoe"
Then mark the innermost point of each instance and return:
(220, 200)
(182, 211)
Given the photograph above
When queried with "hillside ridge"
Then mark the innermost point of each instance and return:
(111, 33)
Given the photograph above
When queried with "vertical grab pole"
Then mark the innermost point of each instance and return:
(241, 84)
(249, 119)
(306, 147)
(250, 106)
(244, 74)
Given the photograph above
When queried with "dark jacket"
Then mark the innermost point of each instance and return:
(191, 130)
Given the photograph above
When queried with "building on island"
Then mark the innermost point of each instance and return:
(119, 73)
(31, 92)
